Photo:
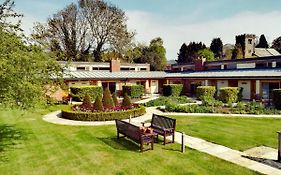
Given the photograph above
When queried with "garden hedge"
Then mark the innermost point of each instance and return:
(172, 89)
(205, 91)
(276, 96)
(134, 91)
(78, 92)
(102, 116)
(230, 94)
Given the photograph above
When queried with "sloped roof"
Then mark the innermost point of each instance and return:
(263, 52)
(271, 73)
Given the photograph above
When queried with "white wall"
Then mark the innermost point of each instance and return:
(246, 85)
(220, 84)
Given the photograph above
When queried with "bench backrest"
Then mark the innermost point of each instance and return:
(160, 121)
(128, 129)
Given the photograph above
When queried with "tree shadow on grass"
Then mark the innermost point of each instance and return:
(270, 162)
(121, 144)
(10, 136)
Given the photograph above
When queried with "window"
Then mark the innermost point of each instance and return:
(80, 68)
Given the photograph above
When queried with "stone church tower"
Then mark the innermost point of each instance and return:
(249, 45)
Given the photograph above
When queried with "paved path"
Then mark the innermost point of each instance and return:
(201, 145)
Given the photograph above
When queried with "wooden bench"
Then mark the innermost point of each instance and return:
(133, 132)
(164, 126)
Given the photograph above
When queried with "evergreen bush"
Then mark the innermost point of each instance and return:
(134, 91)
(87, 100)
(98, 104)
(172, 89)
(78, 92)
(107, 99)
(115, 100)
(126, 101)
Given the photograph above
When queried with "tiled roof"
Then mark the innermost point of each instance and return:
(216, 74)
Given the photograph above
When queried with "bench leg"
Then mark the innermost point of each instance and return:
(152, 145)
(173, 137)
(164, 139)
(118, 135)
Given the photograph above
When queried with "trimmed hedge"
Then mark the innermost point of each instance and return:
(205, 91)
(134, 91)
(103, 116)
(230, 94)
(276, 96)
(172, 89)
(78, 92)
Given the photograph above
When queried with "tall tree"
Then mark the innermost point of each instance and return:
(276, 44)
(91, 26)
(237, 52)
(217, 47)
(262, 42)
(183, 54)
(154, 54)
(190, 52)
(6, 14)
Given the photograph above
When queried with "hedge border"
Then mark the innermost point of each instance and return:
(102, 116)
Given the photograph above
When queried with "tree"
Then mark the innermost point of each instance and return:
(190, 52)
(237, 52)
(126, 101)
(87, 100)
(98, 104)
(115, 100)
(88, 28)
(183, 53)
(25, 71)
(154, 54)
(6, 13)
(262, 42)
(217, 47)
(107, 99)
(207, 53)
(276, 44)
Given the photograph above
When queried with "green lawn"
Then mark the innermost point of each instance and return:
(28, 145)
(240, 133)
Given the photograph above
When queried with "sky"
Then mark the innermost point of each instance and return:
(178, 21)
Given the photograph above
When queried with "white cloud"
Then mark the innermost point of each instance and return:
(149, 26)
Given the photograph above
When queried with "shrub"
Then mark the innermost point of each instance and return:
(172, 89)
(162, 101)
(276, 98)
(134, 91)
(210, 101)
(171, 107)
(229, 94)
(115, 100)
(98, 104)
(205, 91)
(78, 92)
(103, 116)
(107, 99)
(87, 100)
(126, 101)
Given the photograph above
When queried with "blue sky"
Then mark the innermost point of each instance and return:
(179, 21)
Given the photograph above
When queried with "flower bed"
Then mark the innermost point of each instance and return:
(87, 113)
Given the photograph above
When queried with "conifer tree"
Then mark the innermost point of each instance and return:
(87, 100)
(115, 100)
(98, 104)
(126, 101)
(262, 42)
(107, 99)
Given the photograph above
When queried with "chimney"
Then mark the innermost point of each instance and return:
(200, 63)
(115, 65)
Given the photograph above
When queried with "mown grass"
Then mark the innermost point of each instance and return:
(29, 145)
(240, 133)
